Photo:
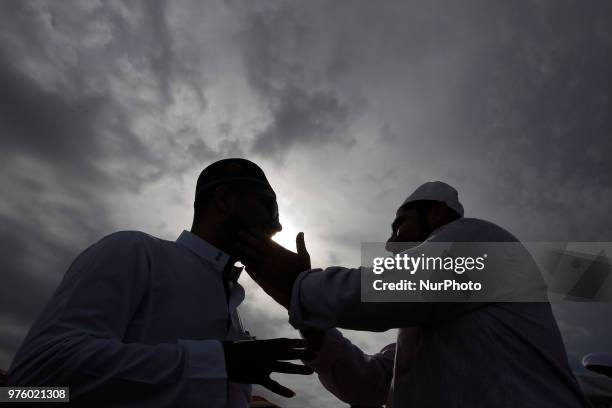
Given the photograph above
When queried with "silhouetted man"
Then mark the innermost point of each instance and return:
(143, 322)
(470, 354)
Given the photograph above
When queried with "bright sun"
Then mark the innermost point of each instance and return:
(287, 236)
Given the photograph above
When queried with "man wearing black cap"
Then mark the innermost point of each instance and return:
(142, 322)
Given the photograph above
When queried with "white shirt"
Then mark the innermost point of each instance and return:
(138, 321)
(352, 375)
(468, 354)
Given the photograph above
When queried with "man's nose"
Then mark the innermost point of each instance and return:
(276, 227)
(388, 245)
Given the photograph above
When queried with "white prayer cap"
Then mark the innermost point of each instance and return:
(437, 191)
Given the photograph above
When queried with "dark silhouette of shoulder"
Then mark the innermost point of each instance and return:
(472, 230)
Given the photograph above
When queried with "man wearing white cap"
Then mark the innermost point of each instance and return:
(446, 354)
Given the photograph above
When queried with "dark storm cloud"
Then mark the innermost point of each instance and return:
(302, 117)
(168, 65)
(529, 102)
(56, 129)
(76, 124)
(61, 124)
(302, 111)
(538, 100)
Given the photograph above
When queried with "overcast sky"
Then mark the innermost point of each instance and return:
(110, 109)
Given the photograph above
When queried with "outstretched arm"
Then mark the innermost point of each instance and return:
(322, 299)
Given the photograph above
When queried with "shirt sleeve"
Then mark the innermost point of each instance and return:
(77, 341)
(322, 299)
(352, 375)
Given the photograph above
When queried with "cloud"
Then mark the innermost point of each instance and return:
(54, 128)
(302, 118)
(72, 139)
(303, 111)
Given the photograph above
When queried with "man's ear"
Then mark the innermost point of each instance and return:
(225, 199)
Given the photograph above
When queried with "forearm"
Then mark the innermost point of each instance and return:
(322, 299)
(350, 374)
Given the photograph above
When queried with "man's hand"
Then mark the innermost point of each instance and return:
(252, 361)
(314, 338)
(272, 266)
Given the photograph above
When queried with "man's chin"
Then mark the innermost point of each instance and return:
(262, 232)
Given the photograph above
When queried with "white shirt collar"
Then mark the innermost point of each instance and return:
(204, 250)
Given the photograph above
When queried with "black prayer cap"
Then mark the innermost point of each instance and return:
(233, 171)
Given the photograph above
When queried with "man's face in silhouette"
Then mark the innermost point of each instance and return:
(406, 227)
(414, 222)
(256, 211)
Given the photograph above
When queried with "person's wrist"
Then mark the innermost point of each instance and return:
(315, 339)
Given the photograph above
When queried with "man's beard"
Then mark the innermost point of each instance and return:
(233, 225)
(237, 223)
(424, 230)
(399, 247)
